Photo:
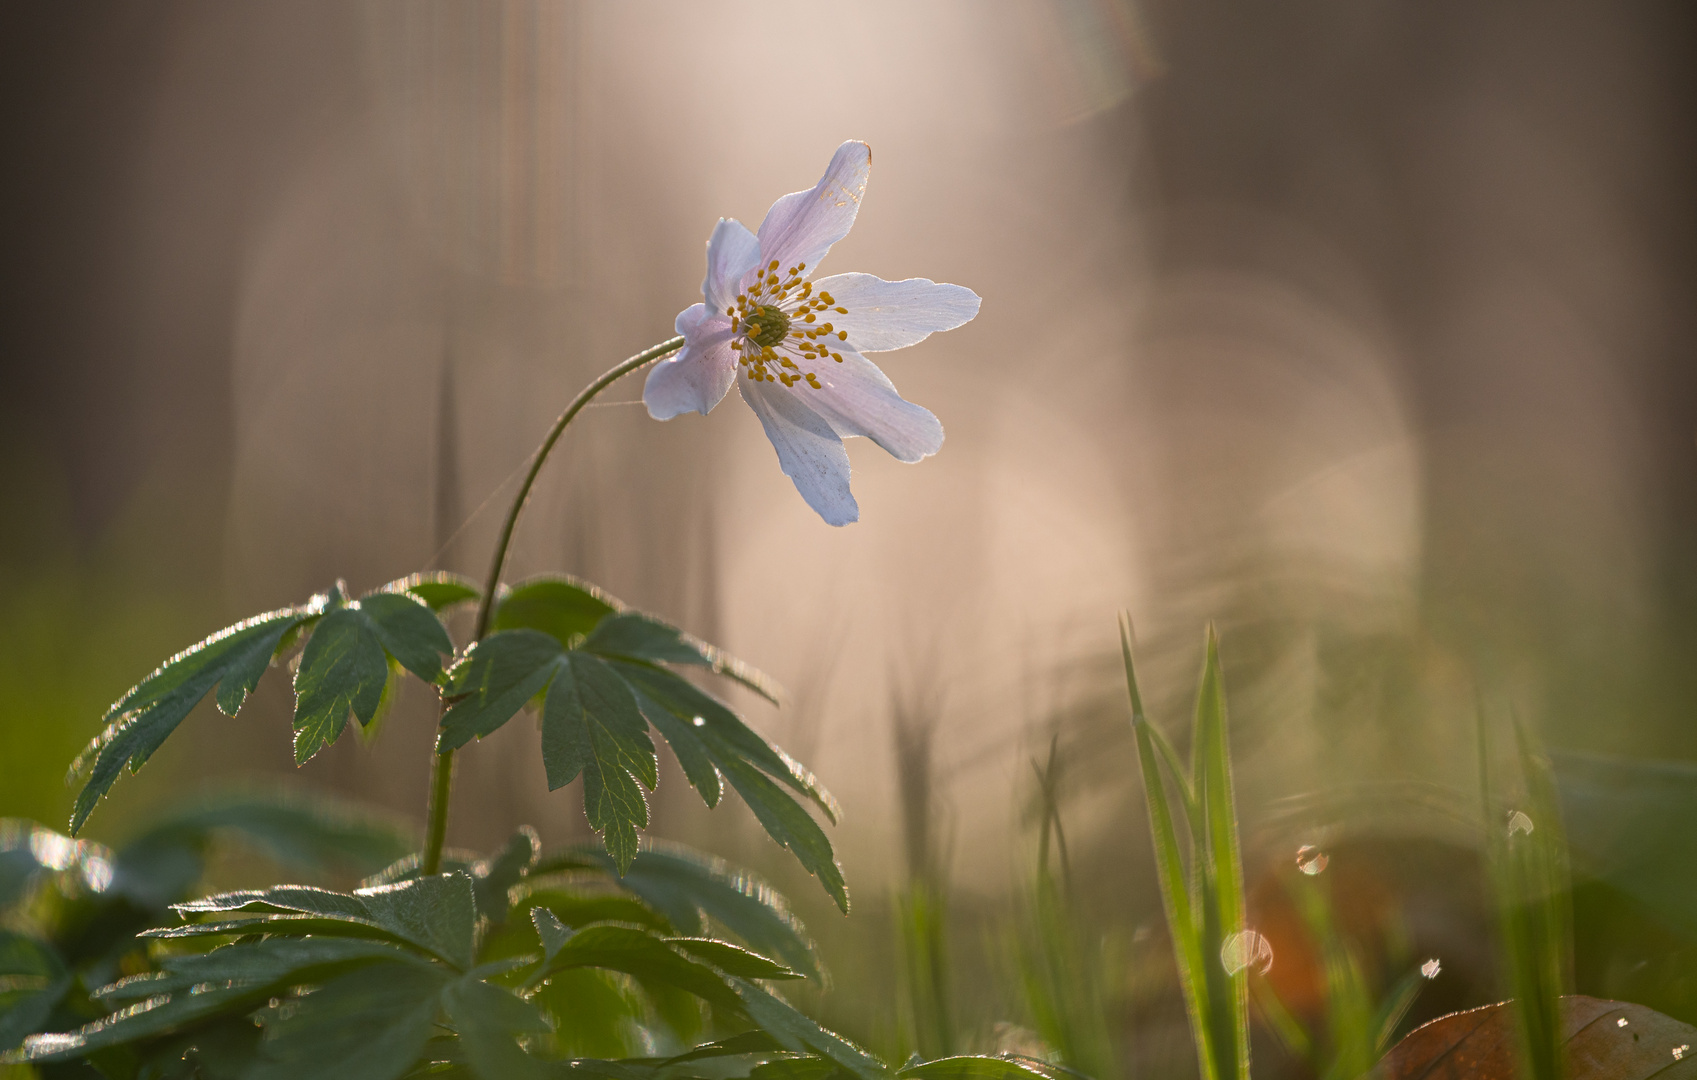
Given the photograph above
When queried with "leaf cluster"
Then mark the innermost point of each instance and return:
(504, 966)
(600, 675)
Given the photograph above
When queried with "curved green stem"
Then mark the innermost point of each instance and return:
(442, 770)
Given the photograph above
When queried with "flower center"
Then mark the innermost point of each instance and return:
(767, 326)
(777, 320)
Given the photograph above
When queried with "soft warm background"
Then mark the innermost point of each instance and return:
(1361, 328)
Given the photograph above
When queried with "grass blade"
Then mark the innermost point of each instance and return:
(1221, 862)
(1193, 963)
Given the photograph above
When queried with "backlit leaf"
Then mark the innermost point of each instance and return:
(232, 660)
(345, 666)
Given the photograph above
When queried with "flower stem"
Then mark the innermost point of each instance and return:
(442, 769)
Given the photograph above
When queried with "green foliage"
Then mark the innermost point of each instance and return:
(459, 973)
(344, 668)
(1526, 857)
(346, 664)
(1360, 1024)
(597, 669)
(1203, 901)
(1064, 974)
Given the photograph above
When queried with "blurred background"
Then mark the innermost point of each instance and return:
(1358, 328)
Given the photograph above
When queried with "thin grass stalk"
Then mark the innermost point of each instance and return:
(1182, 924)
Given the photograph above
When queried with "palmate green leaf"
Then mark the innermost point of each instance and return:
(562, 607)
(436, 914)
(227, 982)
(439, 589)
(493, 878)
(577, 614)
(232, 660)
(489, 1020)
(345, 666)
(688, 887)
(368, 1024)
(710, 731)
(643, 956)
(631, 635)
(700, 727)
(799, 1033)
(731, 959)
(270, 962)
(590, 724)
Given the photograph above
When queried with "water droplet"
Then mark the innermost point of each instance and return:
(1311, 860)
(700, 721)
(1246, 949)
(1679, 1051)
(1430, 969)
(1621, 1022)
(1519, 823)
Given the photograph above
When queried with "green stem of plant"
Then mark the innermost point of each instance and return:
(442, 769)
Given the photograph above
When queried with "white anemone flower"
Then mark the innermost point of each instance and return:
(794, 345)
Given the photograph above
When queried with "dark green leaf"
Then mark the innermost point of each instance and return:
(591, 724)
(575, 910)
(550, 931)
(789, 823)
(494, 681)
(436, 914)
(799, 1068)
(731, 959)
(642, 955)
(749, 1042)
(595, 1013)
(232, 660)
(631, 635)
(971, 1068)
(801, 1034)
(720, 732)
(493, 878)
(271, 962)
(409, 630)
(369, 1024)
(489, 1019)
(345, 667)
(687, 886)
(146, 1019)
(438, 589)
(562, 607)
(591, 716)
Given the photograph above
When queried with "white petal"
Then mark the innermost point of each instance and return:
(809, 452)
(732, 251)
(858, 399)
(802, 226)
(885, 315)
(697, 376)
